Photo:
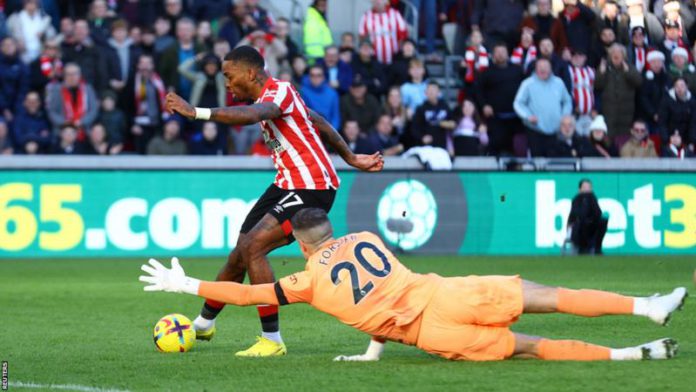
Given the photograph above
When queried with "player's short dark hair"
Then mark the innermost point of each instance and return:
(246, 55)
(308, 218)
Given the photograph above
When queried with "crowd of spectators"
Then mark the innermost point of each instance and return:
(596, 78)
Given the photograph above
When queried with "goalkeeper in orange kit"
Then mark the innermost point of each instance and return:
(357, 280)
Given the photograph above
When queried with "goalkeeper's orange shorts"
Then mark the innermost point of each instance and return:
(468, 318)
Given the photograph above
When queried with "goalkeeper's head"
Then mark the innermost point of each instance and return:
(311, 228)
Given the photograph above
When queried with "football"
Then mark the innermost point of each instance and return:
(174, 334)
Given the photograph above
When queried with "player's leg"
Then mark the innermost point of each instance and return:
(574, 350)
(591, 303)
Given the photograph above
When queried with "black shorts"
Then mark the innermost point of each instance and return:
(284, 204)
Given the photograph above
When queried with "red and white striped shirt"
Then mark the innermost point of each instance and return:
(297, 150)
(385, 30)
(583, 88)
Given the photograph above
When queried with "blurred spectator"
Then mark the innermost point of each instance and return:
(91, 60)
(358, 142)
(618, 82)
(610, 16)
(208, 141)
(169, 142)
(66, 34)
(680, 68)
(347, 41)
(499, 20)
(656, 83)
(639, 144)
(680, 15)
(568, 143)
(67, 143)
(272, 48)
(204, 35)
(559, 66)
(210, 10)
(396, 110)
(113, 119)
(637, 50)
(541, 21)
(600, 51)
(220, 49)
(573, 27)
(245, 138)
(672, 39)
(540, 102)
(14, 79)
(675, 147)
(32, 132)
(185, 48)
(637, 16)
(338, 74)
(397, 72)
(469, 134)
(495, 93)
(282, 32)
(299, 70)
(384, 139)
(140, 12)
(474, 62)
(261, 17)
(526, 52)
(319, 96)
(146, 44)
(239, 24)
(678, 113)
(208, 82)
(100, 22)
(582, 80)
(174, 11)
(47, 68)
(147, 107)
(163, 39)
(458, 12)
(413, 92)
(126, 53)
(360, 106)
(371, 70)
(427, 124)
(586, 225)
(30, 27)
(5, 142)
(72, 102)
(599, 143)
(98, 143)
(385, 28)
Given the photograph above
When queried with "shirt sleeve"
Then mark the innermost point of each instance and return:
(279, 97)
(294, 288)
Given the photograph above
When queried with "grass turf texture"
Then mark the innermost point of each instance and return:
(88, 322)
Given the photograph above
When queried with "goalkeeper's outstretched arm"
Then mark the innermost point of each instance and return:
(161, 278)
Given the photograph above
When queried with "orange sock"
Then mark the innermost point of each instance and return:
(592, 303)
(572, 350)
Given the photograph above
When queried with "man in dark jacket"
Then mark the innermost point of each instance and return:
(498, 20)
(573, 27)
(656, 84)
(31, 130)
(426, 127)
(184, 49)
(568, 144)
(360, 106)
(618, 82)
(93, 62)
(678, 113)
(495, 92)
(14, 79)
(337, 73)
(586, 226)
(372, 71)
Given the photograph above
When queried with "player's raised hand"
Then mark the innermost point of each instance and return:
(369, 163)
(175, 104)
(173, 280)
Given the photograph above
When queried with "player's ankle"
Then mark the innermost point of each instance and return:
(203, 324)
(626, 354)
(274, 336)
(641, 306)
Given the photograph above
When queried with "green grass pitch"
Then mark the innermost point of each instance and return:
(89, 323)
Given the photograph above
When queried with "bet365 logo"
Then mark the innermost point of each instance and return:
(669, 221)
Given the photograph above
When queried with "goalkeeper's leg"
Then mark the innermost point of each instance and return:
(575, 350)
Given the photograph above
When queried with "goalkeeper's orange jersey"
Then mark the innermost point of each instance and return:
(359, 281)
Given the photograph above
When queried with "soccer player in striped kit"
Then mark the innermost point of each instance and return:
(306, 178)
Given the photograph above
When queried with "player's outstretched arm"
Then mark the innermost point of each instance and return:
(237, 115)
(373, 352)
(174, 280)
(330, 136)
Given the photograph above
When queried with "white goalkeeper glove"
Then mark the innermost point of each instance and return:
(174, 280)
(374, 351)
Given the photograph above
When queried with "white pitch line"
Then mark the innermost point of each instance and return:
(64, 387)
